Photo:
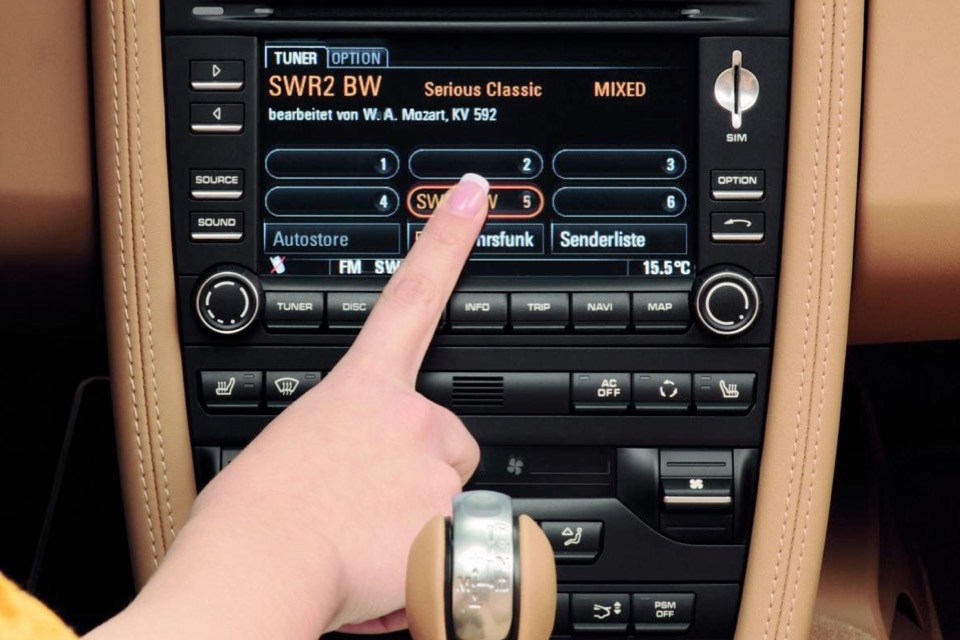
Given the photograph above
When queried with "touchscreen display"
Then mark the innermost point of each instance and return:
(588, 144)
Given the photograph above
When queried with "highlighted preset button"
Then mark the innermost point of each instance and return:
(507, 202)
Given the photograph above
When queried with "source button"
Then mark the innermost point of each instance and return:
(216, 184)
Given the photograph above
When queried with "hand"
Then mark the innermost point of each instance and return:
(309, 528)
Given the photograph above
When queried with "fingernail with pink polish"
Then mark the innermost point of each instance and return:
(466, 200)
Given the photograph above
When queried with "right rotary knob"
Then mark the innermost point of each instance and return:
(728, 302)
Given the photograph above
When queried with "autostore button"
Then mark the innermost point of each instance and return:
(339, 240)
(601, 391)
(661, 310)
(349, 310)
(661, 392)
(507, 239)
(663, 612)
(478, 311)
(506, 201)
(600, 612)
(603, 311)
(574, 542)
(293, 309)
(619, 239)
(283, 387)
(216, 184)
(216, 226)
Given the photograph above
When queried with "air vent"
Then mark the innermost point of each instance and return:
(477, 391)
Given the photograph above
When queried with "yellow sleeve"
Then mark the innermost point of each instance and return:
(22, 617)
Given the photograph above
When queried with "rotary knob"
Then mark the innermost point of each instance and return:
(736, 89)
(228, 301)
(728, 302)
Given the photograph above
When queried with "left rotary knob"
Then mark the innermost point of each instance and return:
(228, 301)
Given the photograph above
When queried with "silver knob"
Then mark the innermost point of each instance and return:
(227, 302)
(728, 302)
(736, 89)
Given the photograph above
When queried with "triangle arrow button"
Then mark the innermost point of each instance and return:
(215, 70)
(218, 113)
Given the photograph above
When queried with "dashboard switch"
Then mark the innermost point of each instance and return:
(539, 311)
(601, 311)
(574, 542)
(661, 310)
(478, 311)
(293, 309)
(662, 613)
(231, 389)
(662, 392)
(724, 392)
(216, 75)
(601, 391)
(600, 612)
(283, 387)
(349, 310)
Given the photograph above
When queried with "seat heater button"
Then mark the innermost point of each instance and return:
(231, 389)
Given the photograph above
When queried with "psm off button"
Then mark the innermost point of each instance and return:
(737, 185)
(216, 184)
(601, 391)
(657, 613)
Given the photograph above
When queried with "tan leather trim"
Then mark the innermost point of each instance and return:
(426, 566)
(799, 448)
(46, 182)
(150, 409)
(907, 271)
(538, 582)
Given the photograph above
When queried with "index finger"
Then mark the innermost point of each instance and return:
(398, 332)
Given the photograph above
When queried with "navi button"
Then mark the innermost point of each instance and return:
(601, 311)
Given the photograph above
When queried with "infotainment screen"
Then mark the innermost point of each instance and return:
(589, 146)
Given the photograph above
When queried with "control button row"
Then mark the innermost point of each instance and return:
(246, 389)
(521, 163)
(613, 613)
(664, 392)
(645, 311)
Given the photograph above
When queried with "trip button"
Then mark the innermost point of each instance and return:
(656, 613)
(601, 311)
(212, 117)
(724, 392)
(661, 310)
(601, 391)
(293, 309)
(216, 184)
(574, 542)
(216, 75)
(737, 185)
(600, 612)
(539, 311)
(662, 392)
(283, 387)
(487, 311)
(216, 226)
(349, 310)
(231, 389)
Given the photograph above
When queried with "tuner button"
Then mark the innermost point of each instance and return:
(728, 303)
(227, 302)
(736, 89)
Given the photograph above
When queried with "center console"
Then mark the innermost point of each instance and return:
(609, 344)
